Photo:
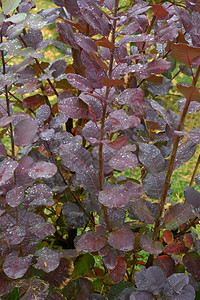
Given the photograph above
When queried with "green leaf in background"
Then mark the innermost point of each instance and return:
(83, 265)
(9, 6)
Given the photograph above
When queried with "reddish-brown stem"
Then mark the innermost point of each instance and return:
(101, 176)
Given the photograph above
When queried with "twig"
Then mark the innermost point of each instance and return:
(195, 170)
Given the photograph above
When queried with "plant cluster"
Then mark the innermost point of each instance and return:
(75, 223)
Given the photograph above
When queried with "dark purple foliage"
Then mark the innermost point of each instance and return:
(88, 149)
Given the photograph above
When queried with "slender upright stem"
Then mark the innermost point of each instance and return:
(101, 176)
(195, 170)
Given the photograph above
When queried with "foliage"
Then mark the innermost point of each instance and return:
(72, 225)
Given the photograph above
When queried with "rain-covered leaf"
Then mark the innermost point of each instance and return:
(9, 6)
(192, 197)
(66, 34)
(131, 97)
(110, 260)
(86, 43)
(74, 217)
(39, 194)
(185, 53)
(118, 195)
(47, 259)
(150, 156)
(15, 196)
(166, 33)
(166, 263)
(193, 107)
(90, 242)
(191, 262)
(122, 238)
(43, 230)
(177, 215)
(7, 168)
(34, 101)
(124, 159)
(152, 279)
(151, 246)
(72, 107)
(95, 106)
(3, 151)
(15, 235)
(142, 211)
(79, 82)
(117, 274)
(43, 113)
(15, 266)
(120, 120)
(160, 89)
(25, 132)
(42, 169)
(75, 157)
(61, 275)
(153, 186)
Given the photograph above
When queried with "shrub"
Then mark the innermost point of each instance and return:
(75, 223)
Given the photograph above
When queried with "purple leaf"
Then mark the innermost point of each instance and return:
(61, 275)
(6, 285)
(144, 295)
(90, 242)
(43, 230)
(86, 43)
(184, 153)
(156, 66)
(43, 112)
(15, 196)
(136, 38)
(177, 215)
(7, 168)
(75, 157)
(153, 186)
(79, 82)
(89, 180)
(193, 107)
(34, 288)
(3, 151)
(166, 33)
(39, 194)
(117, 274)
(124, 159)
(153, 247)
(72, 7)
(72, 107)
(25, 132)
(110, 260)
(117, 195)
(42, 169)
(152, 279)
(15, 235)
(66, 34)
(151, 157)
(47, 259)
(166, 263)
(142, 211)
(122, 238)
(22, 178)
(131, 97)
(120, 120)
(191, 262)
(177, 248)
(192, 197)
(15, 266)
(74, 217)
(95, 106)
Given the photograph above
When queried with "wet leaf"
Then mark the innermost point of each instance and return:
(191, 262)
(34, 288)
(72, 107)
(42, 169)
(66, 33)
(120, 120)
(39, 194)
(110, 260)
(192, 197)
(79, 82)
(117, 274)
(166, 263)
(6, 285)
(9, 6)
(15, 235)
(142, 211)
(15, 196)
(177, 215)
(15, 266)
(153, 247)
(7, 168)
(178, 248)
(43, 112)
(74, 217)
(47, 259)
(122, 238)
(90, 242)
(86, 43)
(25, 132)
(124, 159)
